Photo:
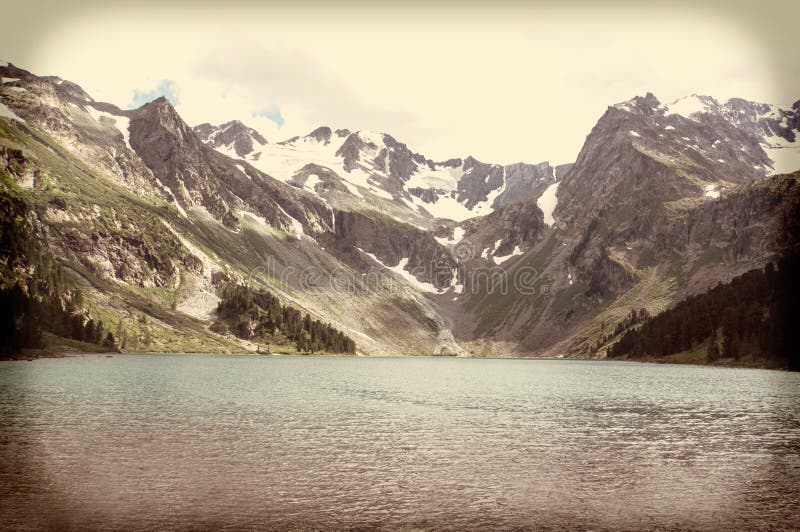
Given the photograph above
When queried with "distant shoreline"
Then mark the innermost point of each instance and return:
(722, 363)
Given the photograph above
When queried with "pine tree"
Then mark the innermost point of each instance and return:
(98, 333)
(713, 352)
(109, 342)
(121, 337)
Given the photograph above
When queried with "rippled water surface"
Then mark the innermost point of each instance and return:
(144, 442)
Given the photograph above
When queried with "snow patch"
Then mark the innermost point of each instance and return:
(282, 161)
(439, 177)
(9, 80)
(311, 181)
(785, 155)
(711, 191)
(458, 235)
(499, 260)
(784, 159)
(634, 133)
(400, 270)
(122, 123)
(448, 207)
(8, 113)
(688, 106)
(547, 202)
(372, 137)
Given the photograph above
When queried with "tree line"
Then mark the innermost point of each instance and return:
(633, 318)
(754, 315)
(259, 315)
(35, 294)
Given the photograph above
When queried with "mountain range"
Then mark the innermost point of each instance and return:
(404, 254)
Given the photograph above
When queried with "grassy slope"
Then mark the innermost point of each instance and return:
(96, 205)
(654, 291)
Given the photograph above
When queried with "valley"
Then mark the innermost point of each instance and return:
(403, 255)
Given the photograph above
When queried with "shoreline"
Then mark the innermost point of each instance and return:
(650, 360)
(729, 363)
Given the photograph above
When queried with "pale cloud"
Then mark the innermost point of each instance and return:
(272, 113)
(165, 87)
(516, 83)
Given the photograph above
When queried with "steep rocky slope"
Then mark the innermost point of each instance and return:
(136, 199)
(365, 168)
(657, 206)
(404, 254)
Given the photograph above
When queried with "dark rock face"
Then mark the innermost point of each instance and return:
(73, 90)
(243, 139)
(607, 276)
(321, 134)
(391, 165)
(428, 195)
(205, 130)
(639, 158)
(350, 150)
(758, 118)
(402, 162)
(754, 220)
(643, 176)
(198, 175)
(477, 181)
(66, 112)
(519, 223)
(523, 180)
(390, 241)
(635, 204)
(176, 156)
(562, 169)
(328, 179)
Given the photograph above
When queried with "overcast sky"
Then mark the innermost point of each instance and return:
(517, 82)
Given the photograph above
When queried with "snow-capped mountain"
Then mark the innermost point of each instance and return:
(646, 164)
(695, 148)
(149, 213)
(775, 126)
(733, 125)
(232, 135)
(375, 167)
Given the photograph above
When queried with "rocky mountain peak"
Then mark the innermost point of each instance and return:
(233, 136)
(645, 105)
(372, 138)
(654, 186)
(693, 104)
(321, 134)
(350, 163)
(161, 113)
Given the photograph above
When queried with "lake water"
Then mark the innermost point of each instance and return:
(145, 442)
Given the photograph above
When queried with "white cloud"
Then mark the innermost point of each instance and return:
(503, 86)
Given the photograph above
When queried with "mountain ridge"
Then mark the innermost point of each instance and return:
(341, 225)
